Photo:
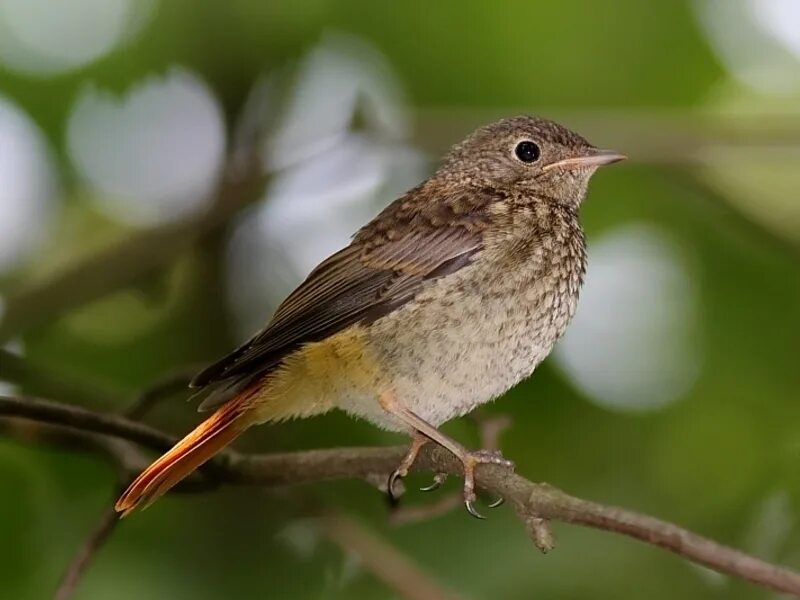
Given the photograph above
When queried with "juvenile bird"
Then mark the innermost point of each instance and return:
(449, 297)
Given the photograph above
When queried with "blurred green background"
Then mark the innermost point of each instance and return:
(674, 393)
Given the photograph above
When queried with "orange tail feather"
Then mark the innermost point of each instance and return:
(208, 438)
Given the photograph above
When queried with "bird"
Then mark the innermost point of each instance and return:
(450, 296)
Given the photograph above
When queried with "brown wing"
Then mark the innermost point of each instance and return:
(385, 266)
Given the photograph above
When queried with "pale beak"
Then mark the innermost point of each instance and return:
(594, 157)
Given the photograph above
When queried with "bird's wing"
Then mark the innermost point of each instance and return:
(384, 267)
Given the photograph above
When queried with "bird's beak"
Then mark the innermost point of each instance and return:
(593, 157)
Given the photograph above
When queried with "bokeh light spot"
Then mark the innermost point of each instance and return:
(330, 178)
(44, 38)
(630, 346)
(27, 186)
(757, 40)
(154, 155)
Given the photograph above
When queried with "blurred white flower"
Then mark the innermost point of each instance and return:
(27, 185)
(339, 77)
(154, 155)
(782, 19)
(321, 200)
(630, 346)
(44, 37)
(757, 40)
(312, 211)
(330, 179)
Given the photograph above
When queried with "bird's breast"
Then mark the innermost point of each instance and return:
(472, 335)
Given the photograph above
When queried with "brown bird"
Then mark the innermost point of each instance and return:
(449, 297)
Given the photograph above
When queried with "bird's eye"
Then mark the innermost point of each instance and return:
(527, 151)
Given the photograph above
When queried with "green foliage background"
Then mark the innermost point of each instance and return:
(709, 461)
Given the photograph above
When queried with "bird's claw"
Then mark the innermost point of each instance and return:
(472, 460)
(391, 486)
(470, 506)
(417, 442)
(438, 481)
(499, 502)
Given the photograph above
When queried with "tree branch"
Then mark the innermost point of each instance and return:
(382, 559)
(82, 419)
(100, 533)
(530, 500)
(654, 137)
(126, 458)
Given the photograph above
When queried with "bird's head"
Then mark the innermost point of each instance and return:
(529, 157)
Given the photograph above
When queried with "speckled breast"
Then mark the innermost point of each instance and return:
(471, 336)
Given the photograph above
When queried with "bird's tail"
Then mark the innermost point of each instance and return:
(208, 438)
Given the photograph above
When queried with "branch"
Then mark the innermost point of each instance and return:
(530, 500)
(126, 458)
(654, 137)
(102, 530)
(82, 419)
(383, 560)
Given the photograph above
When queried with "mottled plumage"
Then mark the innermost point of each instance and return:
(418, 239)
(450, 296)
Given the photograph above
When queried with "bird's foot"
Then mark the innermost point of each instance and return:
(417, 442)
(470, 461)
(423, 433)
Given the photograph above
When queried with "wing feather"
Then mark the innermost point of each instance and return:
(384, 267)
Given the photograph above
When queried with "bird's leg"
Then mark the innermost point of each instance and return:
(469, 459)
(418, 440)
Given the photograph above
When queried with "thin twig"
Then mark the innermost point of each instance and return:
(86, 420)
(490, 428)
(100, 533)
(169, 385)
(143, 404)
(660, 137)
(382, 559)
(107, 522)
(530, 500)
(124, 456)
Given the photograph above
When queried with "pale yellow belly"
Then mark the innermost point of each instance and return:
(449, 350)
(336, 372)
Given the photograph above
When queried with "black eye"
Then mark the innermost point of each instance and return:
(527, 151)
